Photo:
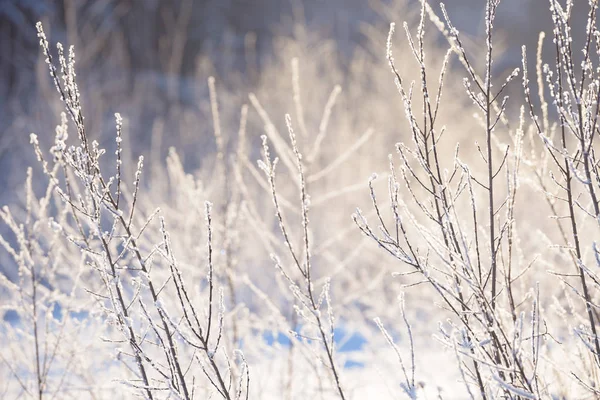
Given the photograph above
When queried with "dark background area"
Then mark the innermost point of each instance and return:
(220, 29)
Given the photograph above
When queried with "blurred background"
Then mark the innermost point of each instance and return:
(166, 49)
(150, 60)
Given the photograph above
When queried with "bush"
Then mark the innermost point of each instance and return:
(133, 285)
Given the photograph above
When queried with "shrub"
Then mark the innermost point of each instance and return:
(134, 285)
